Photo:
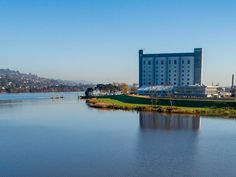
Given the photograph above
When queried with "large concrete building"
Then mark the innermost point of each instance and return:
(177, 69)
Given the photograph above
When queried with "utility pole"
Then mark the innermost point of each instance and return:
(152, 94)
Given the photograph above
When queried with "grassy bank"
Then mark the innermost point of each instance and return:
(183, 106)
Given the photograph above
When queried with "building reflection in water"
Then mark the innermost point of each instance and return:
(154, 120)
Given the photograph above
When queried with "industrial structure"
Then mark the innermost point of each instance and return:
(177, 69)
(177, 75)
(233, 88)
(183, 91)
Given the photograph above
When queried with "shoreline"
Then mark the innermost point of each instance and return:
(2, 93)
(112, 103)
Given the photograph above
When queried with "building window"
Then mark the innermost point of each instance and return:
(149, 62)
(174, 79)
(187, 83)
(175, 75)
(182, 61)
(162, 62)
(169, 61)
(174, 83)
(188, 61)
(161, 83)
(175, 62)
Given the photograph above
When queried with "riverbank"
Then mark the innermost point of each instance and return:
(225, 108)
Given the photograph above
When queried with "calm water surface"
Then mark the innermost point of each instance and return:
(64, 138)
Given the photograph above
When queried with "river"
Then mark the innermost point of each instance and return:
(41, 137)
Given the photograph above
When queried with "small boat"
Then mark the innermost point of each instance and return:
(57, 97)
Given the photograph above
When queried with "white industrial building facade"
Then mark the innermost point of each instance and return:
(177, 69)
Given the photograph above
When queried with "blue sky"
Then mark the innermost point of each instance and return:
(98, 40)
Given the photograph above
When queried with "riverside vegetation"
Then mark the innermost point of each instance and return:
(225, 108)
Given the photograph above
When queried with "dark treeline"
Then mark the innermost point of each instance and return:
(110, 89)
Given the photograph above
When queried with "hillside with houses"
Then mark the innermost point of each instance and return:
(14, 82)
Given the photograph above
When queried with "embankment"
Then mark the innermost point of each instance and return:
(225, 108)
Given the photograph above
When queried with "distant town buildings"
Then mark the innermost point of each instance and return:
(15, 82)
(177, 69)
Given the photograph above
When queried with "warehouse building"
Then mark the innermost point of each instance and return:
(177, 69)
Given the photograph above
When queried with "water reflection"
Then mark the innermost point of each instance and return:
(154, 120)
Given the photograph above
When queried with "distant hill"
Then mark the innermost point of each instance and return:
(15, 81)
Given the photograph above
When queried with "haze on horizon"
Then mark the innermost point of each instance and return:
(98, 41)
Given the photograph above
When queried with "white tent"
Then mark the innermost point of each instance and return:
(158, 89)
